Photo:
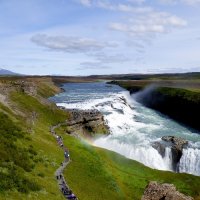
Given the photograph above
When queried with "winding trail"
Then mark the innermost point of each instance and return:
(64, 188)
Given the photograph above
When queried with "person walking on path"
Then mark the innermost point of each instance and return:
(59, 172)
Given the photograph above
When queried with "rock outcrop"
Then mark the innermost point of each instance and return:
(87, 122)
(156, 191)
(19, 85)
(175, 143)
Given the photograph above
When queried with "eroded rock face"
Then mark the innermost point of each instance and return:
(176, 144)
(87, 122)
(24, 86)
(156, 191)
(84, 116)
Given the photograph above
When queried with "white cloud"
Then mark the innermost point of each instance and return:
(86, 2)
(191, 2)
(111, 58)
(70, 44)
(168, 1)
(144, 18)
(126, 6)
(142, 22)
(137, 1)
(187, 2)
(153, 22)
(103, 61)
(129, 8)
(131, 5)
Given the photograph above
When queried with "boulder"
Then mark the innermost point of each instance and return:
(157, 191)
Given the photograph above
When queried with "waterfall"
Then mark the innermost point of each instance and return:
(133, 127)
(143, 154)
(168, 158)
(190, 161)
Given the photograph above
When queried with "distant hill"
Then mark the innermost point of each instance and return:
(165, 76)
(7, 72)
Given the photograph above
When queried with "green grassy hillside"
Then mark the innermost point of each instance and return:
(29, 154)
(94, 173)
(15, 159)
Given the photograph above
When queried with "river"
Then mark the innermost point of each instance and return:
(133, 127)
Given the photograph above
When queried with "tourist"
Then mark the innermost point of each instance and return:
(71, 196)
(66, 153)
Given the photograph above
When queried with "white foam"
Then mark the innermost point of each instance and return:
(190, 161)
(144, 154)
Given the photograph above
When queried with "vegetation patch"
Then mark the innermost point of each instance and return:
(96, 173)
(15, 161)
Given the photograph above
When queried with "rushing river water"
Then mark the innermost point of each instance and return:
(133, 127)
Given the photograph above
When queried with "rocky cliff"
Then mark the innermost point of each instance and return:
(86, 122)
(179, 104)
(183, 105)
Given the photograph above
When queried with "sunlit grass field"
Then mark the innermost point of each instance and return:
(96, 173)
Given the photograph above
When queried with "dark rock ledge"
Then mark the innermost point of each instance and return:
(88, 123)
(176, 144)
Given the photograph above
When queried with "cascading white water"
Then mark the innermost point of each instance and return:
(144, 154)
(133, 127)
(168, 158)
(190, 161)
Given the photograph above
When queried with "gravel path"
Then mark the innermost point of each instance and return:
(64, 188)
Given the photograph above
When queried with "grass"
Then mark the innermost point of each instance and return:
(94, 173)
(34, 137)
(135, 85)
(188, 95)
(14, 160)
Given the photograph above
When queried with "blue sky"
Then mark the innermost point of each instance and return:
(83, 37)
